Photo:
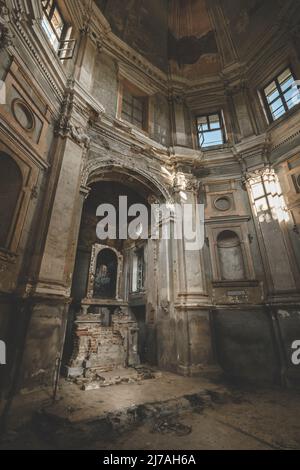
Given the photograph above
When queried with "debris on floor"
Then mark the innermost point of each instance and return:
(95, 379)
(171, 427)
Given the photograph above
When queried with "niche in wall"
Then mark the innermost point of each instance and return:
(105, 278)
(231, 262)
(230, 252)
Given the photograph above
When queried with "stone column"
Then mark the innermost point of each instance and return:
(49, 299)
(191, 278)
(165, 324)
(192, 304)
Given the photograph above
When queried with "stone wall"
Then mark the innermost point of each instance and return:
(105, 86)
(247, 353)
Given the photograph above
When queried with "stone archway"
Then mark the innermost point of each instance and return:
(113, 315)
(103, 168)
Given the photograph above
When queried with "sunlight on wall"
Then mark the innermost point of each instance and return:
(267, 197)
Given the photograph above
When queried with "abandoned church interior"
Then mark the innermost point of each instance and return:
(165, 102)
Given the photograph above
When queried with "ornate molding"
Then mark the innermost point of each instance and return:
(193, 185)
(78, 134)
(65, 127)
(99, 166)
(249, 176)
(6, 36)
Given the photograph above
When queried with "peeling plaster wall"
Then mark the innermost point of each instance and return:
(105, 87)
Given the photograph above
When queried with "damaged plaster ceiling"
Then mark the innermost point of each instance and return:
(179, 35)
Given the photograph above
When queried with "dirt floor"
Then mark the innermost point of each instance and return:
(263, 421)
(165, 412)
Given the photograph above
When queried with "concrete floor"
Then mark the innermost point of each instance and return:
(167, 412)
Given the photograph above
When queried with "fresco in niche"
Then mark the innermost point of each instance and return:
(105, 275)
(249, 19)
(142, 24)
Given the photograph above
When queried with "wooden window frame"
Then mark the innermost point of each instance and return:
(221, 128)
(280, 96)
(66, 47)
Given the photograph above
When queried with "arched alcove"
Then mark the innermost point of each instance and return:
(230, 254)
(11, 182)
(105, 278)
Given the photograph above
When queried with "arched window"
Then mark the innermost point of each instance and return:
(10, 188)
(230, 256)
(105, 282)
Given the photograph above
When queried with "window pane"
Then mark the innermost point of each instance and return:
(292, 97)
(277, 108)
(272, 88)
(212, 138)
(209, 130)
(273, 96)
(202, 127)
(214, 121)
(281, 94)
(287, 84)
(284, 76)
(202, 124)
(53, 23)
(50, 33)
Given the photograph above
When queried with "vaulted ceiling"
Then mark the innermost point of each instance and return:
(179, 35)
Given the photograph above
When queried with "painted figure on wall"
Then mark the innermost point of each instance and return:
(106, 275)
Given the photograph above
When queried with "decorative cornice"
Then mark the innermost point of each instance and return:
(253, 152)
(27, 40)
